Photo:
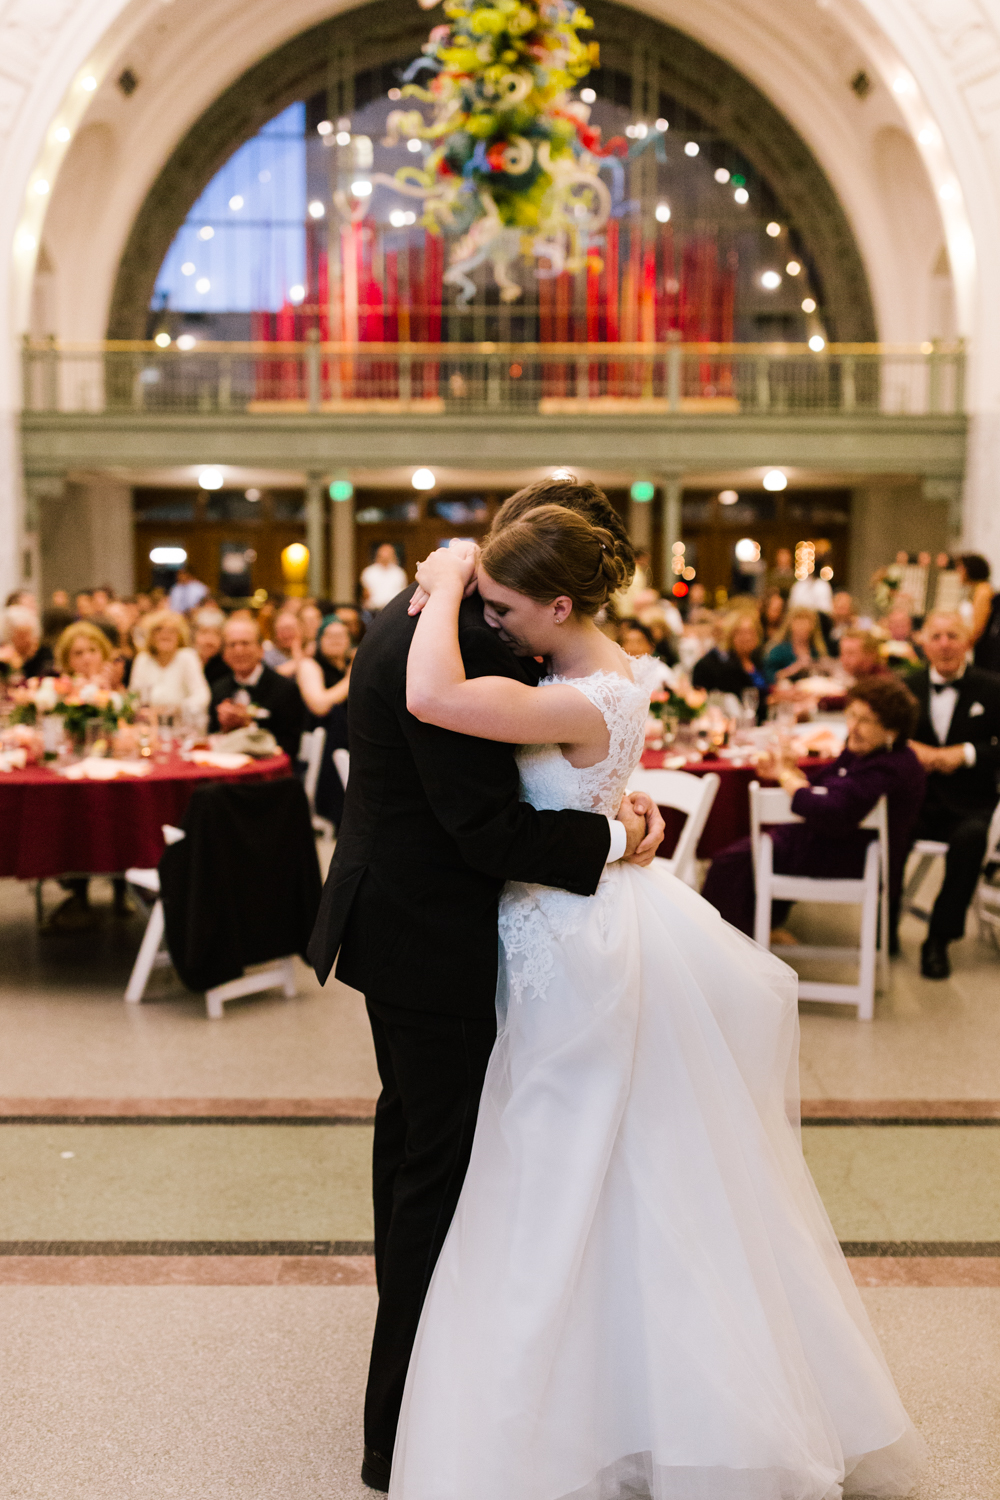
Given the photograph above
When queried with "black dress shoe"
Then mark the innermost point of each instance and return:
(934, 959)
(375, 1470)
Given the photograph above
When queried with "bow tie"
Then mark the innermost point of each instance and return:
(939, 687)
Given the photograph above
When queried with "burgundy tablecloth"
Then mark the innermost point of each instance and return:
(51, 826)
(729, 819)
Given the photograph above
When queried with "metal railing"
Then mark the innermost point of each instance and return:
(483, 379)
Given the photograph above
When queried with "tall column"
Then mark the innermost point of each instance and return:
(315, 532)
(671, 489)
(640, 523)
(344, 577)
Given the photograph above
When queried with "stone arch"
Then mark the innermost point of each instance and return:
(352, 56)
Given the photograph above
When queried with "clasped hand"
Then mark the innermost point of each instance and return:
(644, 827)
(455, 563)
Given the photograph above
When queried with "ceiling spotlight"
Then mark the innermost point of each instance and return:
(662, 125)
(741, 195)
(325, 127)
(362, 188)
(63, 133)
(203, 285)
(187, 269)
(775, 480)
(206, 232)
(691, 148)
(721, 174)
(793, 268)
(236, 203)
(89, 83)
(211, 479)
(589, 96)
(343, 137)
(774, 230)
(162, 339)
(663, 213)
(41, 187)
(414, 144)
(168, 557)
(297, 294)
(808, 305)
(770, 281)
(728, 497)
(186, 341)
(423, 479)
(252, 495)
(747, 550)
(817, 343)
(316, 209)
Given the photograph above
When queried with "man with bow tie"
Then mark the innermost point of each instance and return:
(957, 740)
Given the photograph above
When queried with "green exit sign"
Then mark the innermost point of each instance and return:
(643, 490)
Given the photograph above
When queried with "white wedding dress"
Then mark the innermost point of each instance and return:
(641, 1294)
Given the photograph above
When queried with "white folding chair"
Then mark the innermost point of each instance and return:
(771, 805)
(986, 901)
(926, 851)
(688, 794)
(153, 953)
(311, 748)
(342, 763)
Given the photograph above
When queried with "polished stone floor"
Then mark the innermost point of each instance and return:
(185, 1279)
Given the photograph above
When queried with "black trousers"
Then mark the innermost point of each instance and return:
(965, 835)
(432, 1068)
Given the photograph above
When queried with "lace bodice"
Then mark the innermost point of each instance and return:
(547, 778)
(534, 917)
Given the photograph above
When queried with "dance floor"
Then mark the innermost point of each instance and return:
(186, 1284)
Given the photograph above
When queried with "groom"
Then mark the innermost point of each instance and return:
(432, 828)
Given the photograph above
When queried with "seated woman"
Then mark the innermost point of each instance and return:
(800, 650)
(735, 665)
(833, 800)
(324, 681)
(167, 673)
(636, 640)
(772, 617)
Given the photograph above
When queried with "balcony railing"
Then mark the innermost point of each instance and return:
(592, 380)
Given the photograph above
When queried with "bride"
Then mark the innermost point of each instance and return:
(640, 1294)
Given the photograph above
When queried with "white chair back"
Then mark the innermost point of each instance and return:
(342, 763)
(311, 747)
(685, 793)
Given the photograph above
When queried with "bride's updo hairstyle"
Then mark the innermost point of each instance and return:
(551, 551)
(579, 495)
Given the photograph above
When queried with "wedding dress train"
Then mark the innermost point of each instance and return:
(641, 1296)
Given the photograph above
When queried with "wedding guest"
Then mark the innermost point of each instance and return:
(782, 575)
(657, 622)
(83, 604)
(60, 599)
(833, 801)
(324, 681)
(860, 656)
(187, 592)
(167, 673)
(842, 620)
(24, 599)
(736, 664)
(83, 651)
(54, 622)
(252, 692)
(352, 618)
(896, 629)
(812, 592)
(957, 740)
(22, 653)
(974, 571)
(800, 649)
(284, 651)
(383, 579)
(310, 619)
(206, 638)
(636, 640)
(772, 617)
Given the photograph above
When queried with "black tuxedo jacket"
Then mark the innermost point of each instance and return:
(432, 828)
(976, 721)
(279, 695)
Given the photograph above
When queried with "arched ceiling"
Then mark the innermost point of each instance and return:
(660, 60)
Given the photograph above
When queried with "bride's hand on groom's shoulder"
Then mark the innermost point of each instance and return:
(459, 560)
(638, 808)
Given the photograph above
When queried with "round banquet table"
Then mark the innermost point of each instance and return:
(729, 818)
(50, 826)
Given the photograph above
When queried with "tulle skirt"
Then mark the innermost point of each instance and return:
(641, 1296)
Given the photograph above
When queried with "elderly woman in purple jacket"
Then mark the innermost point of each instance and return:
(832, 801)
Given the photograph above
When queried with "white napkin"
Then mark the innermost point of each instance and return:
(13, 760)
(97, 769)
(222, 760)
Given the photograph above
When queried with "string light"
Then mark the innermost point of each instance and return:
(741, 195)
(691, 148)
(808, 305)
(793, 268)
(775, 480)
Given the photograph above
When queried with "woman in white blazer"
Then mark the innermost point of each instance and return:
(167, 673)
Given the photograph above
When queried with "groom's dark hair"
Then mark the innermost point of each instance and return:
(588, 500)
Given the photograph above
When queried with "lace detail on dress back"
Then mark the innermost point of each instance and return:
(547, 778)
(532, 917)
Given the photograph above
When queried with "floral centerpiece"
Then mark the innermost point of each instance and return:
(682, 702)
(77, 702)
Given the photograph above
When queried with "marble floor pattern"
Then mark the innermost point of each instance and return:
(186, 1286)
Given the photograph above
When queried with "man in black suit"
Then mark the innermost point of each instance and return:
(250, 685)
(432, 828)
(958, 742)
